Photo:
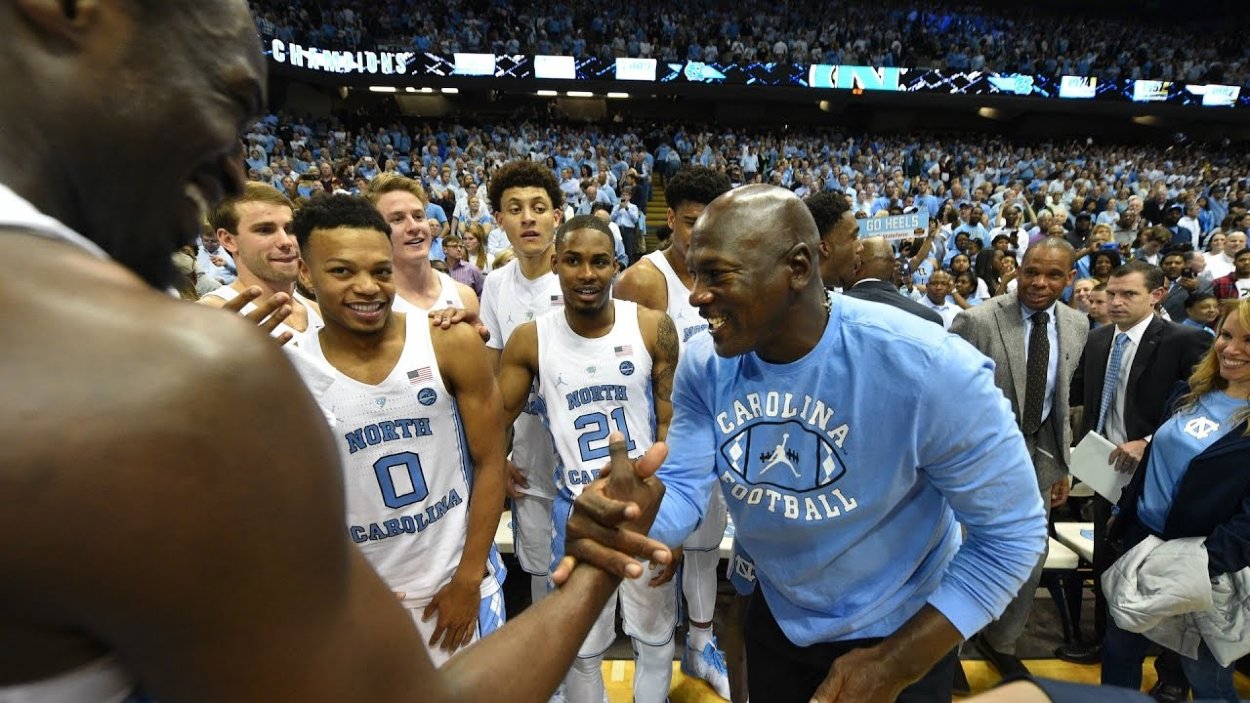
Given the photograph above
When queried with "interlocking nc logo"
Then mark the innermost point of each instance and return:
(1201, 428)
(744, 568)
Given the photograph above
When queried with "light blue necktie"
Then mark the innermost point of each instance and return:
(1112, 379)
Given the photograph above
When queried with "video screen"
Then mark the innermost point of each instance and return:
(555, 67)
(1081, 87)
(474, 64)
(635, 69)
(853, 77)
(1151, 91)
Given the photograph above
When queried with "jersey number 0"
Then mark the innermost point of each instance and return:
(401, 479)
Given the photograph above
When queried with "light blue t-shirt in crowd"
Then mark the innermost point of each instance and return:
(849, 471)
(1184, 436)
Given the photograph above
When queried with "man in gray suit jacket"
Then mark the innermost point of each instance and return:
(1036, 345)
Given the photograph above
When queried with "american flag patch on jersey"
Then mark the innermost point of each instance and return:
(624, 350)
(557, 300)
(421, 375)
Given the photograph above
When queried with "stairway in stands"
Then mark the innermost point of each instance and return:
(657, 212)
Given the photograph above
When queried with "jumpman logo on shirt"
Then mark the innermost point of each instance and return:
(781, 455)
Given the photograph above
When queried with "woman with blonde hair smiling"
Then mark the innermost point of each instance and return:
(1194, 482)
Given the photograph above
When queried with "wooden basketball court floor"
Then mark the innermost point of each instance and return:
(619, 676)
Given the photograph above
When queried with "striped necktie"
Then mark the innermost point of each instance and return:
(1111, 381)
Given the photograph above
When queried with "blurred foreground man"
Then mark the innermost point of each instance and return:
(167, 557)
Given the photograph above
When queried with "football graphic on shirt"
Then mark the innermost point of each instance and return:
(789, 455)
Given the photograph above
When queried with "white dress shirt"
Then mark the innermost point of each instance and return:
(947, 310)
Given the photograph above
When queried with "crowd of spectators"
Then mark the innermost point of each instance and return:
(987, 198)
(878, 173)
(1206, 48)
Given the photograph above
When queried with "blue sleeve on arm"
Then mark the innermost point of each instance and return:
(618, 247)
(974, 454)
(688, 473)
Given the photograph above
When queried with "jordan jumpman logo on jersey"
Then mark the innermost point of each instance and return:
(780, 455)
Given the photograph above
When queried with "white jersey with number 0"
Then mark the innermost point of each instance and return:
(406, 467)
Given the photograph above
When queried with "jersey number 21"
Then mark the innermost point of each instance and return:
(597, 429)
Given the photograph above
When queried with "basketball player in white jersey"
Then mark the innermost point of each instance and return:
(416, 416)
(601, 365)
(203, 569)
(253, 228)
(419, 288)
(526, 199)
(661, 281)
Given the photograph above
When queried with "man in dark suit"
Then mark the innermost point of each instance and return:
(1036, 344)
(1180, 281)
(873, 278)
(1125, 377)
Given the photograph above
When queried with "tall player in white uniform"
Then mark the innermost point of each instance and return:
(661, 281)
(416, 416)
(526, 199)
(419, 288)
(601, 366)
(253, 227)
